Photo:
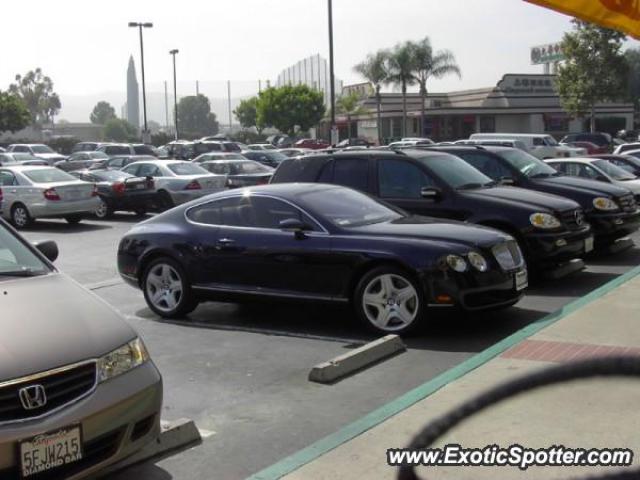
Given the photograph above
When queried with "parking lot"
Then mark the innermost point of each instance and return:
(240, 371)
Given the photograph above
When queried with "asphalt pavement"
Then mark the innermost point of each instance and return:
(240, 371)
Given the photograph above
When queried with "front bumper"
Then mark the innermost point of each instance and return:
(473, 291)
(119, 418)
(608, 227)
(62, 208)
(544, 248)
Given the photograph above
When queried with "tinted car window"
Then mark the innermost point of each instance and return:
(487, 164)
(401, 179)
(116, 162)
(613, 171)
(352, 172)
(297, 171)
(234, 212)
(186, 168)
(7, 179)
(116, 150)
(143, 150)
(14, 256)
(269, 212)
(454, 171)
(147, 170)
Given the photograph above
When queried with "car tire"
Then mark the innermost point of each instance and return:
(166, 202)
(103, 211)
(73, 219)
(388, 300)
(20, 216)
(166, 289)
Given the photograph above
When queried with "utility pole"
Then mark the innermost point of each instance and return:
(140, 26)
(334, 132)
(166, 106)
(229, 100)
(175, 93)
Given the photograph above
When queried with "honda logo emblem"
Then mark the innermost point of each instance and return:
(32, 397)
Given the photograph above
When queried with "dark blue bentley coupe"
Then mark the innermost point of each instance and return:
(317, 242)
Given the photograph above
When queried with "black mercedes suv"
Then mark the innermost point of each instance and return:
(549, 228)
(611, 210)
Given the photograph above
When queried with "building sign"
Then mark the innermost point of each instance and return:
(542, 54)
(529, 85)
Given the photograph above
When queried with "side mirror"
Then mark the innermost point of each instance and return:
(48, 248)
(431, 193)
(293, 225)
(507, 181)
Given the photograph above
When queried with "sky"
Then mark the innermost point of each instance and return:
(84, 46)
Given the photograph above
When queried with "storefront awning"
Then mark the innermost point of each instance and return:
(623, 15)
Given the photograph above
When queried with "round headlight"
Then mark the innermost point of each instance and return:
(544, 220)
(602, 203)
(457, 263)
(478, 262)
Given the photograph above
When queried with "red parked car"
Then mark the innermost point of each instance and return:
(592, 148)
(312, 143)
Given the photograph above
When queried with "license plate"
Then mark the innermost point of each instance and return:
(521, 280)
(50, 450)
(588, 245)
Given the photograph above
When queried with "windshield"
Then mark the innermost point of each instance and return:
(247, 167)
(48, 175)
(613, 171)
(16, 259)
(111, 175)
(455, 172)
(549, 140)
(41, 149)
(527, 164)
(187, 168)
(344, 207)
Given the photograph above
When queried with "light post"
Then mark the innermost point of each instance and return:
(334, 136)
(140, 26)
(175, 91)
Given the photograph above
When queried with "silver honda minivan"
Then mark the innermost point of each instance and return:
(78, 391)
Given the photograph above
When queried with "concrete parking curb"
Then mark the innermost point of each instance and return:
(174, 437)
(357, 359)
(376, 417)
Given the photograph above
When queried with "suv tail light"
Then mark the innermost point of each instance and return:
(118, 188)
(51, 194)
(195, 185)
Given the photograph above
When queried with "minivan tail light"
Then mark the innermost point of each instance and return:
(195, 185)
(118, 188)
(51, 194)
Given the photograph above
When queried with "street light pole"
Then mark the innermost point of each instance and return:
(140, 26)
(175, 91)
(334, 138)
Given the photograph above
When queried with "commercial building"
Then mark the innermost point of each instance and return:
(519, 103)
(133, 100)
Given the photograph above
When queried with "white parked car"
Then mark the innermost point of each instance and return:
(38, 150)
(178, 181)
(30, 192)
(261, 146)
(598, 169)
(542, 146)
(626, 148)
(411, 143)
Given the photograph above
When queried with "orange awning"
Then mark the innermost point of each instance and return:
(622, 15)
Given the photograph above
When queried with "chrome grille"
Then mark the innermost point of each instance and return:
(627, 203)
(573, 219)
(508, 255)
(61, 387)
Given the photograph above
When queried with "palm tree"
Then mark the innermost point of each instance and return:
(374, 69)
(401, 68)
(428, 65)
(350, 105)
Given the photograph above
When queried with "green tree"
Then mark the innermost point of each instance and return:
(428, 64)
(350, 105)
(290, 106)
(102, 112)
(119, 130)
(195, 118)
(14, 115)
(632, 56)
(36, 90)
(401, 68)
(374, 69)
(247, 114)
(595, 69)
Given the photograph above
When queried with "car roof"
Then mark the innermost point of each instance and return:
(573, 159)
(283, 190)
(23, 168)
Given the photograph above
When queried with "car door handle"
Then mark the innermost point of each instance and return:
(223, 243)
